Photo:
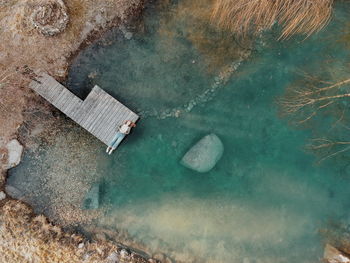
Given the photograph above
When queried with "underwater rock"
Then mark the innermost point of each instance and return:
(204, 155)
(92, 198)
(50, 17)
(15, 150)
(14, 192)
(333, 255)
(127, 34)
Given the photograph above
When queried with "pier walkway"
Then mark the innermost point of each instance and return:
(100, 113)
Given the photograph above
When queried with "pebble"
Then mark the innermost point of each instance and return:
(2, 195)
(124, 253)
(113, 257)
(159, 256)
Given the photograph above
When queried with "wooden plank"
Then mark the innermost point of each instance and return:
(74, 106)
(61, 99)
(88, 106)
(99, 123)
(66, 100)
(41, 90)
(91, 114)
(107, 116)
(110, 125)
(53, 97)
(108, 128)
(90, 125)
(104, 109)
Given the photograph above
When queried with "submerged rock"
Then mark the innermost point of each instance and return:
(204, 155)
(14, 192)
(92, 198)
(333, 255)
(15, 150)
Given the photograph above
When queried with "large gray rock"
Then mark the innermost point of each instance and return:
(14, 150)
(204, 155)
(333, 255)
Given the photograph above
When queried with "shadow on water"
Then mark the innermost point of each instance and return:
(265, 200)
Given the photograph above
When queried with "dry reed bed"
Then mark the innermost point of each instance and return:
(252, 16)
(29, 238)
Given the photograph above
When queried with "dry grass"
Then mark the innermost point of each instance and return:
(25, 238)
(252, 16)
(191, 20)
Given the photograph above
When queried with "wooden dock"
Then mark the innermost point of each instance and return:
(100, 113)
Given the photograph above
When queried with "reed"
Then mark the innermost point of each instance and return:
(253, 16)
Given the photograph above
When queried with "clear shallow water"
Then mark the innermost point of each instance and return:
(265, 200)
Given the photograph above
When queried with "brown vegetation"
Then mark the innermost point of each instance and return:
(29, 238)
(309, 99)
(252, 16)
(217, 50)
(313, 97)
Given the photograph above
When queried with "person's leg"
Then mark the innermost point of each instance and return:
(114, 140)
(117, 142)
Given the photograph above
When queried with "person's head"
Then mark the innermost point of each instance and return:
(130, 123)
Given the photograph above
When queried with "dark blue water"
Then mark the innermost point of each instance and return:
(267, 198)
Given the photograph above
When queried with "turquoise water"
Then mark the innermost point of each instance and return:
(267, 199)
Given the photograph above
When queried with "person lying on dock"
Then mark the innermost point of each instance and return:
(123, 130)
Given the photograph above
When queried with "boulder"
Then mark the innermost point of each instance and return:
(50, 17)
(204, 155)
(333, 255)
(14, 150)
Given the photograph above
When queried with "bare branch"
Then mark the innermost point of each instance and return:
(334, 154)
